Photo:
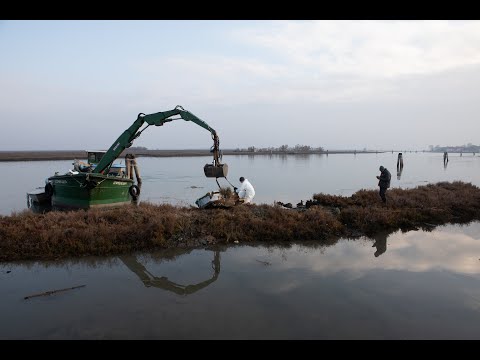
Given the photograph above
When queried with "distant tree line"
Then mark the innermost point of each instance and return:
(462, 148)
(283, 149)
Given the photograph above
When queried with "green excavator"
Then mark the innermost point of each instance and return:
(101, 183)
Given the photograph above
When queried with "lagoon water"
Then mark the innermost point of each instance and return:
(414, 285)
(422, 285)
(289, 178)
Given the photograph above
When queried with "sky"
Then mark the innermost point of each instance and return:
(78, 84)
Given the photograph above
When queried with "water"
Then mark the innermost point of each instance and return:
(424, 286)
(415, 285)
(288, 178)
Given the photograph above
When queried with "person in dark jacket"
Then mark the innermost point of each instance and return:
(384, 182)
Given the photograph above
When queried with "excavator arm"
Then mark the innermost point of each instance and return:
(163, 282)
(126, 139)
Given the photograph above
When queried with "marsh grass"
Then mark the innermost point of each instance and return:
(57, 235)
(226, 192)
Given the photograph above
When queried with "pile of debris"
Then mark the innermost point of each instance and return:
(224, 198)
(301, 206)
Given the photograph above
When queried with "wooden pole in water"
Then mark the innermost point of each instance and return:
(399, 161)
(137, 172)
(53, 292)
(129, 165)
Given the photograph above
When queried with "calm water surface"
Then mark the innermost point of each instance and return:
(289, 178)
(415, 285)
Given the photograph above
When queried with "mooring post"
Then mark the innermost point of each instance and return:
(399, 161)
(137, 172)
(129, 165)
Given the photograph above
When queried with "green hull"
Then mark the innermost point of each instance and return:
(86, 190)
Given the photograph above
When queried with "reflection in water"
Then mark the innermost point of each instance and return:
(162, 282)
(426, 287)
(380, 243)
(399, 172)
(450, 248)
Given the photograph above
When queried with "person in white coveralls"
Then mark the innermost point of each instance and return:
(245, 192)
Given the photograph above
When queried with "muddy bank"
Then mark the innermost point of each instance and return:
(146, 227)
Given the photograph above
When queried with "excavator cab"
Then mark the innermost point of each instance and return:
(94, 156)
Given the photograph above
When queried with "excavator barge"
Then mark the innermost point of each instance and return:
(101, 183)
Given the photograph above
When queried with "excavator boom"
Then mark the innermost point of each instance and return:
(161, 118)
(126, 139)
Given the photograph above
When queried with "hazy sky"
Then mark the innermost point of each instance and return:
(337, 84)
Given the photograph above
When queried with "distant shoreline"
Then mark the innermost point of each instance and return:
(81, 154)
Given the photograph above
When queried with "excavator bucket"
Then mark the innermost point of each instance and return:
(215, 171)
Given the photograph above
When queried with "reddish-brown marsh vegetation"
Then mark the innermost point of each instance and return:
(146, 227)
